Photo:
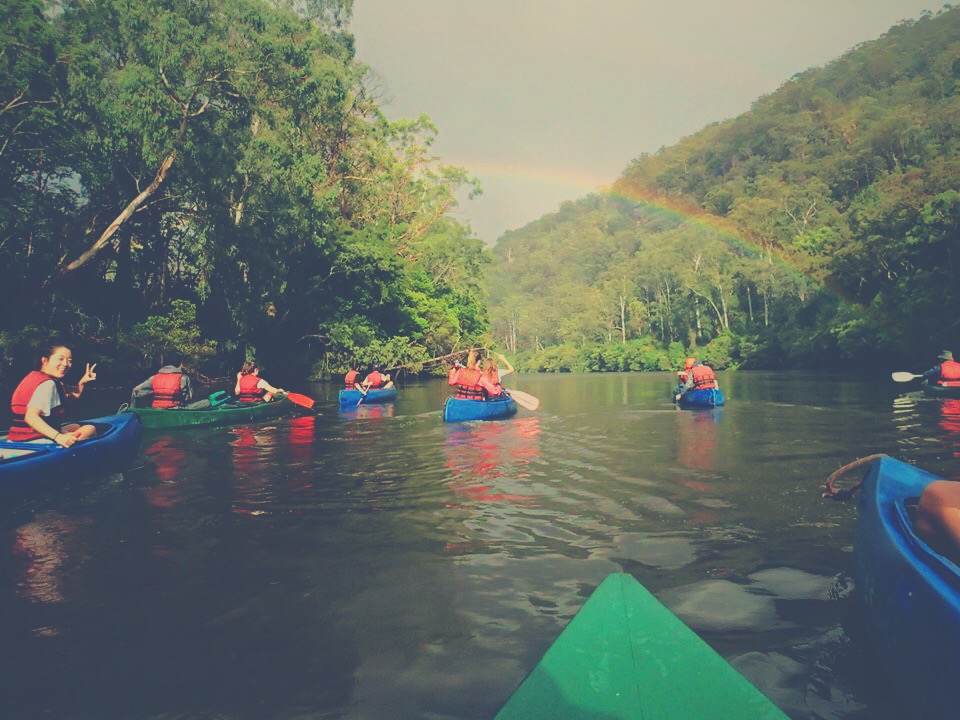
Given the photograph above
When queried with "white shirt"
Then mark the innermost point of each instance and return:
(45, 398)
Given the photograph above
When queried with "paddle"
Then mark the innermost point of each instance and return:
(525, 400)
(301, 400)
(363, 393)
(904, 376)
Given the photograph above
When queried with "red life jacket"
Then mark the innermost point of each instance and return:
(703, 377)
(19, 430)
(375, 379)
(166, 390)
(249, 392)
(350, 379)
(949, 373)
(468, 384)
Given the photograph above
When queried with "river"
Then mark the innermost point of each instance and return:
(377, 563)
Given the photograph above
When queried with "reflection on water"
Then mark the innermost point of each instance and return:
(374, 562)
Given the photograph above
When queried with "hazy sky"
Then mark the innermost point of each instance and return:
(546, 100)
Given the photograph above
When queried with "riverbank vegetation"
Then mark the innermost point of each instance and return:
(819, 229)
(218, 179)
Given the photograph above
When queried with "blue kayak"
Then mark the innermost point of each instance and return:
(23, 464)
(353, 397)
(460, 410)
(910, 594)
(701, 398)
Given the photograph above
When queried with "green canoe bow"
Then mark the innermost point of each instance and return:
(626, 656)
(166, 418)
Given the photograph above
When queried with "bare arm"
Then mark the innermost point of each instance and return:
(35, 420)
(506, 362)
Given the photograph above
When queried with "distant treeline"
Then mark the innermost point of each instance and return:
(216, 178)
(819, 229)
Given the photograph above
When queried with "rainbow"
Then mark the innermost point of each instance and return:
(674, 208)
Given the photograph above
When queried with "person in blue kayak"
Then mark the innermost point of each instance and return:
(946, 374)
(169, 386)
(351, 379)
(376, 380)
(700, 377)
(39, 401)
(470, 382)
(493, 373)
(251, 388)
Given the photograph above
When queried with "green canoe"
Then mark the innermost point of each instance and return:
(226, 414)
(625, 655)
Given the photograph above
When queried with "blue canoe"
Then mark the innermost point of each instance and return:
(459, 410)
(117, 442)
(353, 397)
(910, 594)
(701, 398)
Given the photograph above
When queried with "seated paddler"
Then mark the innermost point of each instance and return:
(169, 387)
(251, 388)
(39, 401)
(471, 383)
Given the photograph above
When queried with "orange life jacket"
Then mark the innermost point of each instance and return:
(350, 379)
(468, 384)
(249, 392)
(703, 377)
(166, 390)
(949, 373)
(19, 430)
(375, 379)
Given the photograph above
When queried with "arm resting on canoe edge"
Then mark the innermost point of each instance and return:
(938, 518)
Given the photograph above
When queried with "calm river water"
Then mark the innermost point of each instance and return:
(378, 563)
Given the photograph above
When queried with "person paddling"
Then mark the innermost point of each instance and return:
(38, 403)
(251, 388)
(470, 382)
(492, 372)
(946, 374)
(169, 386)
(376, 380)
(700, 377)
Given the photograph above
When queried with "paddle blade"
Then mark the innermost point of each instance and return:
(301, 400)
(904, 376)
(525, 400)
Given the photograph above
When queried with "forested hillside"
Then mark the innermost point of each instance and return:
(216, 178)
(819, 229)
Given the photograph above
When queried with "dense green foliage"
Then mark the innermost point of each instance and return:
(220, 168)
(819, 228)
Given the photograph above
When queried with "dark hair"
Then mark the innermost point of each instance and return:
(48, 348)
(172, 357)
(248, 367)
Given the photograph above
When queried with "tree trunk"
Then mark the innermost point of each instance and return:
(128, 211)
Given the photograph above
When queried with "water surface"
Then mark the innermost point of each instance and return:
(377, 563)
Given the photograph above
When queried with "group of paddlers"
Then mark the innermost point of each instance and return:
(471, 380)
(39, 401)
(375, 380)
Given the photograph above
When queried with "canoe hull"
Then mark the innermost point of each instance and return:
(353, 397)
(625, 655)
(172, 418)
(702, 399)
(940, 391)
(910, 594)
(460, 410)
(23, 465)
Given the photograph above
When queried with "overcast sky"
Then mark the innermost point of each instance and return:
(547, 100)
